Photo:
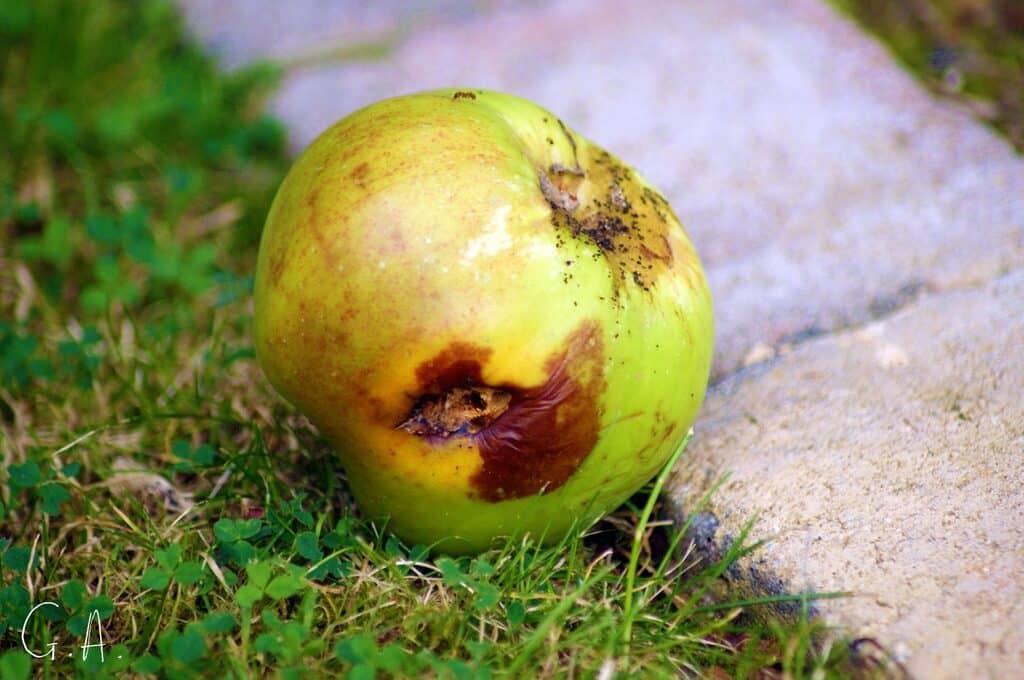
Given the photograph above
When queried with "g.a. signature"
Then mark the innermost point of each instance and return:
(87, 644)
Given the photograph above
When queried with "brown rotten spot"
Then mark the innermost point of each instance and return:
(531, 439)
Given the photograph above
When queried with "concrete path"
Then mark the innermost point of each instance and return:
(865, 247)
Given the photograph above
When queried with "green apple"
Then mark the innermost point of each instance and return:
(501, 327)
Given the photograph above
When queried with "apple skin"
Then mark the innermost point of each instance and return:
(468, 240)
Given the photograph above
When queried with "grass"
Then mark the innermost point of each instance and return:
(151, 476)
(968, 50)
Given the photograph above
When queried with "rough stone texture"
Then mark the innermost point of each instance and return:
(825, 190)
(888, 461)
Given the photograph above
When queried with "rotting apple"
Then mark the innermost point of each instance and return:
(501, 327)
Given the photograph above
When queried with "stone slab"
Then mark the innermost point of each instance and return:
(821, 185)
(887, 461)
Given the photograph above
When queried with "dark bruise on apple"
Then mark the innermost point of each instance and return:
(531, 439)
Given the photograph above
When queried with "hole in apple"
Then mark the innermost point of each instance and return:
(457, 411)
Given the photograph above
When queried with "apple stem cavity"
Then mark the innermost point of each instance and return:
(596, 208)
(557, 194)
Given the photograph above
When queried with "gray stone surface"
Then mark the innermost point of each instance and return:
(246, 30)
(825, 191)
(888, 461)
